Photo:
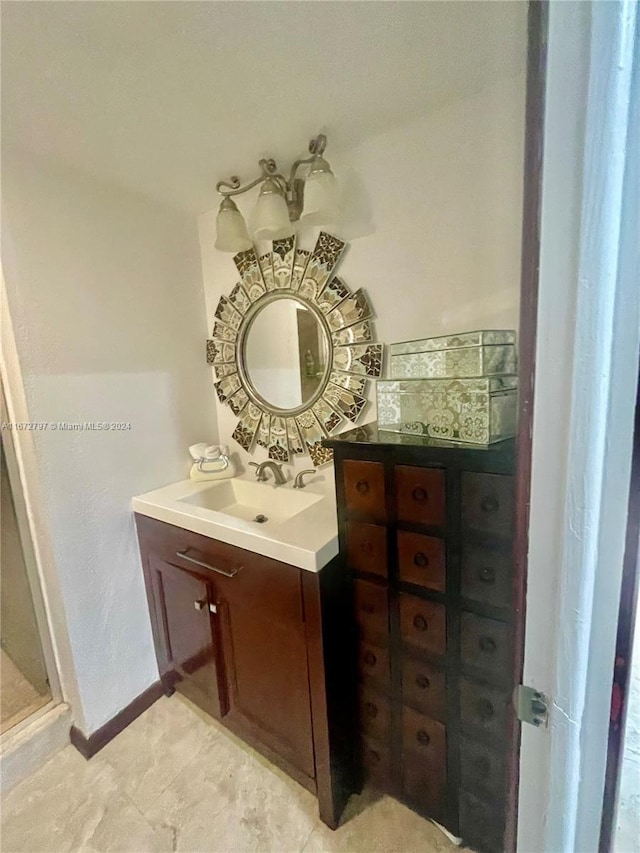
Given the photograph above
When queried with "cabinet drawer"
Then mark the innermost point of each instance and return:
(374, 665)
(376, 761)
(485, 644)
(425, 738)
(486, 575)
(372, 610)
(420, 495)
(367, 548)
(481, 824)
(484, 709)
(423, 623)
(424, 687)
(422, 560)
(375, 713)
(364, 491)
(425, 786)
(256, 582)
(488, 503)
(482, 770)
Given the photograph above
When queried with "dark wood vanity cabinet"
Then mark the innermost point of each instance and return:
(425, 534)
(245, 638)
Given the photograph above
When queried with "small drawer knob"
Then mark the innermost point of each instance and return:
(489, 504)
(362, 487)
(420, 623)
(371, 709)
(370, 659)
(421, 560)
(487, 645)
(420, 495)
(423, 737)
(485, 709)
(375, 755)
(422, 682)
(486, 575)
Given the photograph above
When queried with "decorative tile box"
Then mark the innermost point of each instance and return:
(475, 411)
(484, 353)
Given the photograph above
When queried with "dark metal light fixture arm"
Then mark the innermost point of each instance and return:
(292, 189)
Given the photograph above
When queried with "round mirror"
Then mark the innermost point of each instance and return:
(285, 354)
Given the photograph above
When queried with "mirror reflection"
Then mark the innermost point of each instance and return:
(286, 353)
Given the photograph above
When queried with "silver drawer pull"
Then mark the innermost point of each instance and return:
(189, 559)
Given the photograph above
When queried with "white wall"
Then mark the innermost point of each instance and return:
(433, 213)
(105, 294)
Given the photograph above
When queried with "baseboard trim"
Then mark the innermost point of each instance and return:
(89, 746)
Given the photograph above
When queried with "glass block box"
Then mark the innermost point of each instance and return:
(480, 410)
(470, 354)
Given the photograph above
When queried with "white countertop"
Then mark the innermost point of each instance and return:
(308, 539)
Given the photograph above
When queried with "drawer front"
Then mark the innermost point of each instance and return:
(422, 560)
(425, 738)
(425, 786)
(481, 824)
(376, 761)
(488, 503)
(372, 610)
(485, 644)
(374, 665)
(484, 710)
(375, 713)
(486, 575)
(482, 770)
(420, 495)
(423, 623)
(424, 687)
(255, 582)
(364, 491)
(367, 548)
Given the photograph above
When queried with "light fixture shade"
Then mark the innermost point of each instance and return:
(321, 195)
(270, 219)
(231, 229)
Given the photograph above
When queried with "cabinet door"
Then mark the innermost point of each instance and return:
(186, 635)
(266, 659)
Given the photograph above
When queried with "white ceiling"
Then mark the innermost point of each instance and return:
(168, 97)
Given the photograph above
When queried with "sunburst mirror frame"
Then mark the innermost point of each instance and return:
(354, 357)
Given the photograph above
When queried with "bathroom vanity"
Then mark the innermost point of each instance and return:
(256, 642)
(425, 534)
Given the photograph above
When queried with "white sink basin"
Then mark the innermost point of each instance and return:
(251, 501)
(300, 526)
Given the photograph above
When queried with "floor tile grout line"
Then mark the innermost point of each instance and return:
(306, 841)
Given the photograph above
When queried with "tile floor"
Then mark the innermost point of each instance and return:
(18, 697)
(175, 780)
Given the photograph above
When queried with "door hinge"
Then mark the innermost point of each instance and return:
(531, 705)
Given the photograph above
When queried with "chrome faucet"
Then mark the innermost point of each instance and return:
(269, 465)
(299, 483)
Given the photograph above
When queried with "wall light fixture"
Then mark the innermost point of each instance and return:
(310, 192)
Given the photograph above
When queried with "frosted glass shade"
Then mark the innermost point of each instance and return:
(270, 220)
(231, 229)
(321, 198)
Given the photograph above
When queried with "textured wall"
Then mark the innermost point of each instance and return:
(106, 298)
(432, 213)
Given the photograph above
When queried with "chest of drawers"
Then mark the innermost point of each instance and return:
(426, 534)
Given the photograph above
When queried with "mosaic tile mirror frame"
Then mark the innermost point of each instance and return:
(345, 320)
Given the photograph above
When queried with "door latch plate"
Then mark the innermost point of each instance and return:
(532, 706)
